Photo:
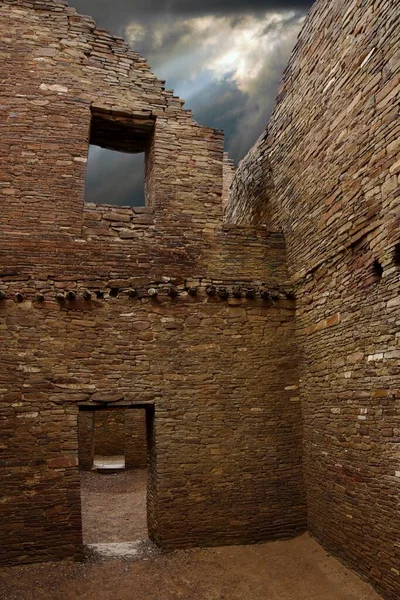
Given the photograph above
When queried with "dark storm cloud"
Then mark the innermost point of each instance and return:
(221, 106)
(228, 6)
(115, 15)
(223, 57)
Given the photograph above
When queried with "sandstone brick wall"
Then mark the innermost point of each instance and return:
(163, 308)
(136, 444)
(227, 418)
(252, 188)
(109, 432)
(85, 440)
(333, 148)
(67, 70)
(228, 177)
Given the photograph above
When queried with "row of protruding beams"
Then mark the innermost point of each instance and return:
(173, 292)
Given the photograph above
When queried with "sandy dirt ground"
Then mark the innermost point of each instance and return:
(298, 569)
(114, 510)
(114, 506)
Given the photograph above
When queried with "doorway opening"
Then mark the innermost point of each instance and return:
(114, 457)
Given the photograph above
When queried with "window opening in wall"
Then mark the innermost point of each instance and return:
(119, 161)
(113, 462)
(115, 178)
(377, 270)
(396, 255)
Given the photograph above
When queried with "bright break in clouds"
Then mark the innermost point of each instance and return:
(224, 58)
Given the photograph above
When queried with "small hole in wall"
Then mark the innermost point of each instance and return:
(396, 255)
(377, 270)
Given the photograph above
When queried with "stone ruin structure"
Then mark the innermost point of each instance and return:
(256, 324)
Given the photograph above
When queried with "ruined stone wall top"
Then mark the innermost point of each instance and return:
(59, 71)
(332, 141)
(252, 188)
(61, 75)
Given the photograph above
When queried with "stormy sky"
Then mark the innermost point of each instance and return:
(223, 57)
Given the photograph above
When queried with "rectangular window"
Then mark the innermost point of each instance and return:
(119, 160)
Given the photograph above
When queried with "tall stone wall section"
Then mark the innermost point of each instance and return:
(163, 308)
(252, 188)
(333, 146)
(228, 175)
(86, 440)
(136, 444)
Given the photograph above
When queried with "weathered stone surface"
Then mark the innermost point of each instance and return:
(135, 439)
(105, 398)
(109, 432)
(228, 414)
(86, 439)
(224, 434)
(332, 152)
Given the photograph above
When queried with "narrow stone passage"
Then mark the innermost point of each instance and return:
(114, 506)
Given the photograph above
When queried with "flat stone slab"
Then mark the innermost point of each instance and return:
(137, 550)
(108, 463)
(107, 398)
(116, 549)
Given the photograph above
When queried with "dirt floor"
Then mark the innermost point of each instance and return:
(298, 569)
(114, 510)
(114, 506)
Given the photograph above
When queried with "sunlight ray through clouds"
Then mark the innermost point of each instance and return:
(247, 53)
(223, 57)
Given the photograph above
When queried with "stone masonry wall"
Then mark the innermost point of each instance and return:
(217, 420)
(85, 440)
(252, 188)
(164, 308)
(67, 69)
(333, 147)
(228, 177)
(109, 432)
(136, 454)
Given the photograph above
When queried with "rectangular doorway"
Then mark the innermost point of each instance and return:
(113, 461)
